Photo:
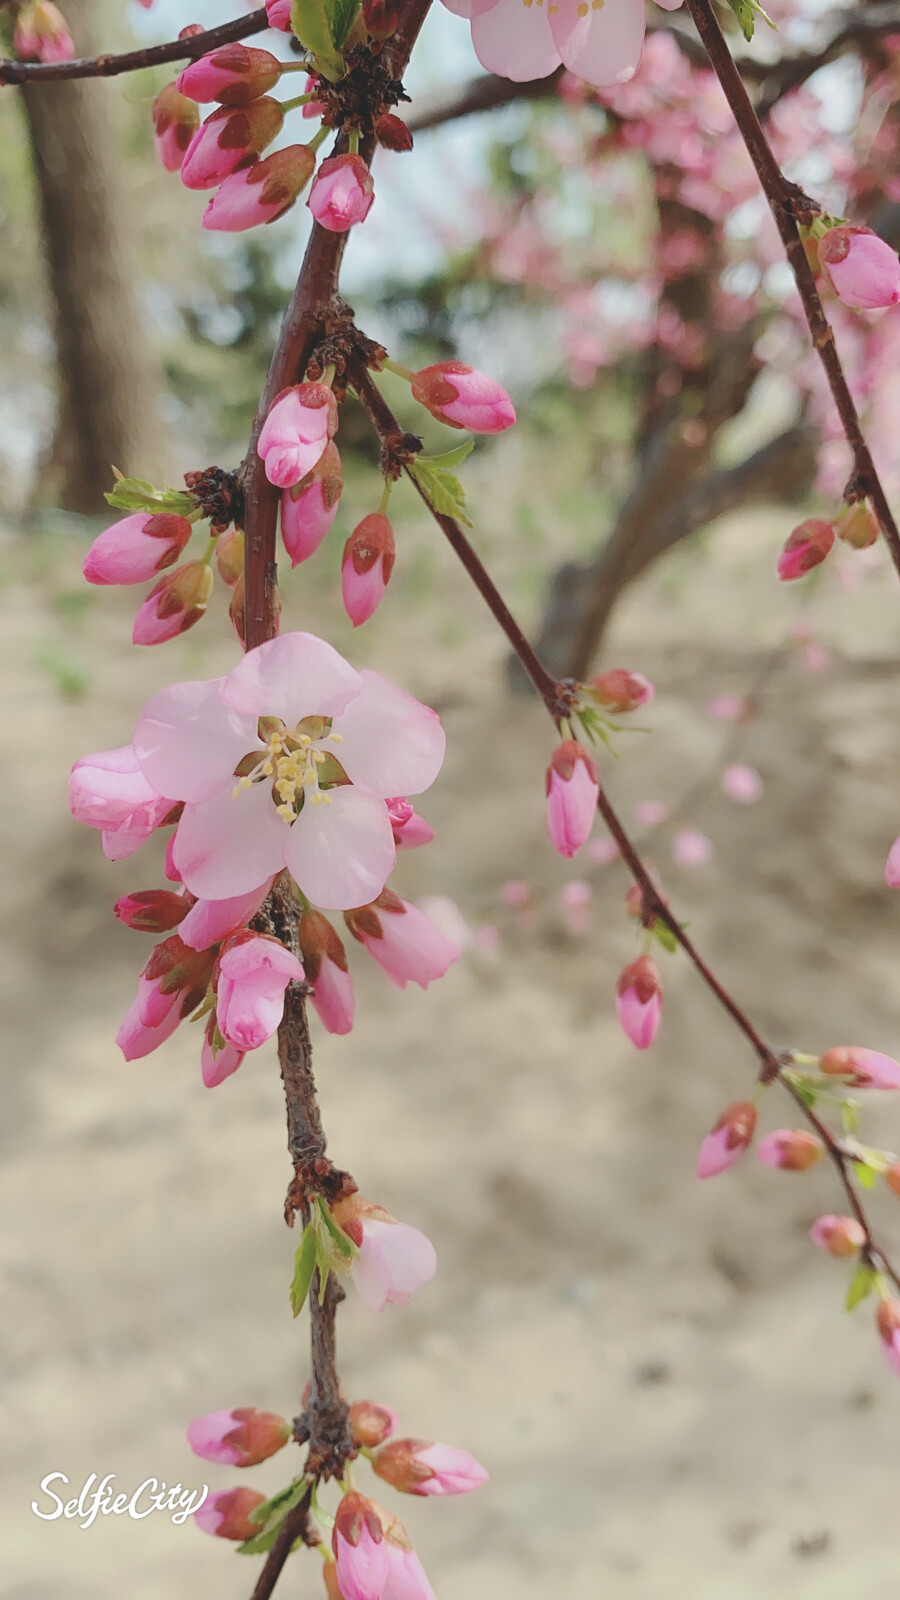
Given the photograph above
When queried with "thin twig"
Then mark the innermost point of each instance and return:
(198, 44)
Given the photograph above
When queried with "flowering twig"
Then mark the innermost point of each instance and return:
(789, 205)
(188, 49)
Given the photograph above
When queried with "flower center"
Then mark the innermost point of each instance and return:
(299, 763)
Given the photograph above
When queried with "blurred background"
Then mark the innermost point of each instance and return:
(658, 1374)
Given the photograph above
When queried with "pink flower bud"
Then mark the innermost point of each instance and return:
(230, 556)
(240, 1438)
(254, 972)
(742, 783)
(230, 139)
(136, 548)
(217, 1064)
(790, 1149)
(887, 1319)
(413, 833)
(41, 33)
(864, 271)
(729, 708)
(371, 1423)
(209, 921)
(805, 548)
(137, 1038)
(173, 974)
(381, 18)
(463, 397)
(416, 1467)
(572, 788)
(728, 1140)
(840, 1236)
(313, 108)
(393, 1260)
(406, 1576)
(865, 1069)
(234, 74)
(152, 910)
(296, 431)
(404, 942)
(260, 193)
(226, 1513)
(342, 194)
(367, 566)
(619, 691)
(639, 1001)
(175, 604)
(392, 133)
(325, 965)
(108, 791)
(279, 15)
(892, 866)
(858, 526)
(359, 1549)
(310, 507)
(175, 120)
(691, 848)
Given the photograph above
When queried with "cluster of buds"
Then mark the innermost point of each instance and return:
(812, 541)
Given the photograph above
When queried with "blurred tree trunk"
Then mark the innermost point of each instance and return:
(107, 383)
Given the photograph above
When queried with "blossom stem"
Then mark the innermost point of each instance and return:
(298, 100)
(394, 366)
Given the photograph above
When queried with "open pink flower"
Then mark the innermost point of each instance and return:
(296, 432)
(136, 548)
(405, 943)
(417, 1467)
(601, 44)
(226, 1513)
(175, 120)
(325, 964)
(572, 789)
(309, 508)
(319, 747)
(254, 972)
(864, 270)
(393, 1260)
(230, 139)
(109, 791)
(728, 1140)
(342, 194)
(639, 1001)
(260, 193)
(463, 397)
(240, 1438)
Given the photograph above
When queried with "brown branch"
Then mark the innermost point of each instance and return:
(787, 203)
(296, 1525)
(153, 55)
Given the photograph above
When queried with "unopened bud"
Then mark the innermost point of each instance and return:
(790, 1149)
(728, 1140)
(240, 1438)
(887, 1319)
(892, 1177)
(381, 17)
(840, 1236)
(152, 910)
(371, 1423)
(392, 133)
(226, 1514)
(416, 1466)
(369, 556)
(865, 1069)
(619, 691)
(858, 526)
(178, 601)
(230, 556)
(639, 1001)
(805, 548)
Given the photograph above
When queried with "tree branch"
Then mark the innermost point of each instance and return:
(12, 72)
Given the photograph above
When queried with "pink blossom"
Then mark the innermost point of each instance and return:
(136, 1038)
(240, 1438)
(416, 1467)
(840, 1236)
(887, 1320)
(601, 45)
(175, 119)
(233, 74)
(41, 33)
(620, 691)
(742, 783)
(359, 1548)
(230, 139)
(602, 850)
(309, 508)
(226, 1513)
(651, 813)
(639, 1001)
(325, 964)
(575, 899)
(367, 566)
(728, 1140)
(406, 1578)
(296, 432)
(572, 788)
(371, 1423)
(892, 866)
(279, 14)
(342, 193)
(410, 830)
(313, 108)
(151, 910)
(175, 604)
(393, 1260)
(136, 548)
(865, 1069)
(260, 193)
(728, 708)
(790, 1149)
(254, 972)
(805, 548)
(404, 942)
(208, 921)
(217, 1065)
(691, 848)
(336, 742)
(463, 397)
(109, 791)
(864, 271)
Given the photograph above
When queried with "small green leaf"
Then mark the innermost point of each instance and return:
(450, 458)
(805, 1092)
(341, 1241)
(865, 1176)
(343, 19)
(304, 1267)
(136, 494)
(746, 12)
(442, 489)
(851, 1115)
(324, 1269)
(665, 936)
(281, 1503)
(312, 22)
(861, 1286)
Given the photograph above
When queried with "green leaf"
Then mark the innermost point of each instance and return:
(304, 1267)
(444, 491)
(865, 1176)
(313, 23)
(665, 936)
(136, 494)
(344, 16)
(341, 1241)
(851, 1115)
(861, 1286)
(805, 1092)
(281, 1503)
(746, 12)
(450, 458)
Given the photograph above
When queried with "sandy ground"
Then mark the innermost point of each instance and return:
(658, 1374)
